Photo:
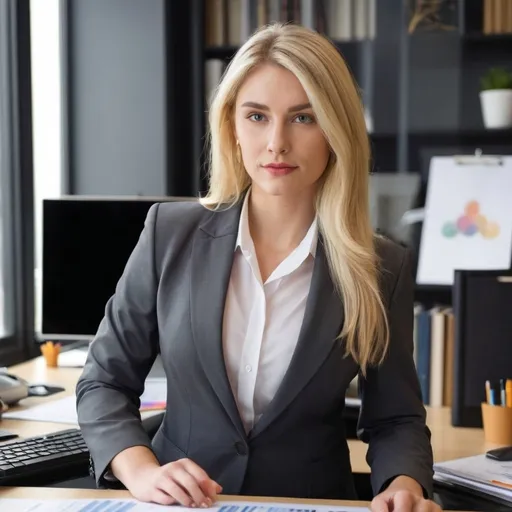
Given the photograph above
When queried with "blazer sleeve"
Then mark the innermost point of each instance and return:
(393, 417)
(120, 358)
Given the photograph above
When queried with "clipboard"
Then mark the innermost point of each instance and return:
(468, 217)
(478, 159)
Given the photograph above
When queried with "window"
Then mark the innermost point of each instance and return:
(6, 299)
(16, 185)
(4, 328)
(45, 35)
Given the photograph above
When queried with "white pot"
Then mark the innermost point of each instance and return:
(496, 108)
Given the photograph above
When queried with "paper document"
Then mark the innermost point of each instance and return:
(155, 394)
(480, 473)
(74, 358)
(14, 505)
(62, 410)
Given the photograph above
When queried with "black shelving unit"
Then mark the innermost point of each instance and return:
(389, 70)
(384, 71)
(481, 38)
(220, 52)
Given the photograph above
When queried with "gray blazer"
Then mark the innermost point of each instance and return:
(170, 301)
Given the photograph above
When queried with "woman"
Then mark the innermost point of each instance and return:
(265, 300)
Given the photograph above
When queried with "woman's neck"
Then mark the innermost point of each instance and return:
(279, 223)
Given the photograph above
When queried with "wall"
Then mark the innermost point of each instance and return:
(117, 100)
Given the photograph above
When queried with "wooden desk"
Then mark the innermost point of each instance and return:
(447, 442)
(45, 493)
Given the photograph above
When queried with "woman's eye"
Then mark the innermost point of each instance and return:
(304, 119)
(256, 117)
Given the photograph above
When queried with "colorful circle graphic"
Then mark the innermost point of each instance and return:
(472, 209)
(491, 230)
(470, 223)
(480, 221)
(464, 222)
(449, 229)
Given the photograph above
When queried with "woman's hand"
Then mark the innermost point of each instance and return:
(403, 495)
(182, 481)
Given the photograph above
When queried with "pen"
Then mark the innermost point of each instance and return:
(492, 393)
(502, 484)
(503, 395)
(508, 391)
(488, 392)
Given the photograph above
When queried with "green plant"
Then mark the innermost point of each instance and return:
(496, 78)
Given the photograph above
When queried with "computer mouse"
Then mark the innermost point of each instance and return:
(12, 388)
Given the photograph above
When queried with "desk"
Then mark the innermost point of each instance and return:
(447, 442)
(44, 493)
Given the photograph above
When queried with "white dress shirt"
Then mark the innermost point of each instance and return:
(262, 320)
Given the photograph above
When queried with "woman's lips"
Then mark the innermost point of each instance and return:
(279, 169)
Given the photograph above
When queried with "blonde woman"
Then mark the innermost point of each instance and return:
(265, 299)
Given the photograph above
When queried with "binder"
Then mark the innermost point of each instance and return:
(483, 332)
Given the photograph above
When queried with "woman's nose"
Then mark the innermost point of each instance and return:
(278, 142)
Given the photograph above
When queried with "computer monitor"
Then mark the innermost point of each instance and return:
(86, 243)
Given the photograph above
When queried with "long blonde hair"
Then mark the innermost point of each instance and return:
(342, 197)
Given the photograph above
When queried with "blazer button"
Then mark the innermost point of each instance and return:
(240, 448)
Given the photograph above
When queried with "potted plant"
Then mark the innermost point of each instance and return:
(496, 98)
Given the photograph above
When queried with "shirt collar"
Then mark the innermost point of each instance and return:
(244, 239)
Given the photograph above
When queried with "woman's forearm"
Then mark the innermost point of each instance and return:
(126, 464)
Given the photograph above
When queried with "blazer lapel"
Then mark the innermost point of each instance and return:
(212, 259)
(323, 319)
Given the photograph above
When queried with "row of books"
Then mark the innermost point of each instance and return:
(434, 340)
(497, 17)
(231, 22)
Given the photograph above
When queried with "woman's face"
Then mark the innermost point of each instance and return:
(283, 149)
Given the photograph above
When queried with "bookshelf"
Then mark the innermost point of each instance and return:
(228, 23)
(390, 65)
(421, 88)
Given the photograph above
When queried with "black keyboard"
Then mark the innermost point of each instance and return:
(34, 460)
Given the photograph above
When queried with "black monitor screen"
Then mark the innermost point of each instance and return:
(86, 244)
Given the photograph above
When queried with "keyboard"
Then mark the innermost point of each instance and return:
(39, 459)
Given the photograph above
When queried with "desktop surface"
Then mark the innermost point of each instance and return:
(448, 442)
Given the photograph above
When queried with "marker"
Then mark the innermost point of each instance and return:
(503, 395)
(508, 391)
(488, 392)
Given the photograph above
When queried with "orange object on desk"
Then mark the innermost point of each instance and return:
(51, 352)
(501, 484)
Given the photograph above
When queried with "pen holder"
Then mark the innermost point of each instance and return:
(497, 421)
(50, 353)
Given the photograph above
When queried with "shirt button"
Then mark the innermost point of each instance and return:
(240, 448)
(248, 368)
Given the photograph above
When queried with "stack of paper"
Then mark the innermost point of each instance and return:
(479, 473)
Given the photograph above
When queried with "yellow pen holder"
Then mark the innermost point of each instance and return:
(497, 421)
(50, 353)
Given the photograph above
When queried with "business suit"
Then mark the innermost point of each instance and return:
(170, 300)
